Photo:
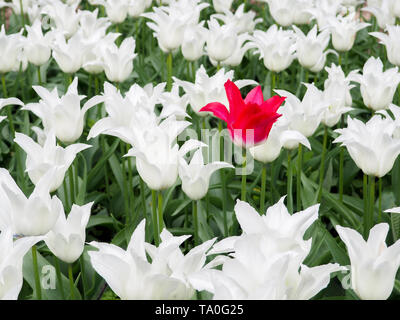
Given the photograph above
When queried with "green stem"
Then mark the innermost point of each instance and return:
(160, 212)
(169, 71)
(65, 188)
(223, 182)
(39, 75)
(299, 169)
(71, 184)
(218, 66)
(341, 159)
(289, 183)
(273, 80)
(36, 273)
(71, 281)
(366, 207)
(380, 199)
(263, 187)
(322, 166)
(125, 182)
(143, 196)
(195, 223)
(130, 190)
(155, 218)
(58, 274)
(371, 202)
(244, 176)
(22, 13)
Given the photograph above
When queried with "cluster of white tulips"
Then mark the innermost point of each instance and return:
(117, 170)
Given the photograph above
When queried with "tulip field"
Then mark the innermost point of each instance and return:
(199, 150)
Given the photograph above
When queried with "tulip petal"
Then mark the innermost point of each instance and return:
(255, 96)
(234, 97)
(218, 109)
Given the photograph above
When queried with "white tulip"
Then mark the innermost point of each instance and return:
(136, 8)
(344, 30)
(132, 277)
(173, 104)
(221, 40)
(66, 17)
(276, 47)
(38, 46)
(337, 93)
(70, 54)
(384, 13)
(62, 114)
(134, 110)
(93, 29)
(157, 153)
(373, 264)
(118, 61)
(116, 10)
(193, 42)
(391, 42)
(33, 216)
(395, 110)
(196, 175)
(289, 12)
(11, 257)
(242, 46)
(310, 48)
(40, 159)
(244, 21)
(324, 11)
(267, 258)
(303, 116)
(207, 89)
(371, 145)
(66, 239)
(222, 5)
(7, 102)
(377, 86)
(11, 53)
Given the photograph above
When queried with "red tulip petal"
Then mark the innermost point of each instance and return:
(234, 97)
(272, 104)
(255, 96)
(218, 109)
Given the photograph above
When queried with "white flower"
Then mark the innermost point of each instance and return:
(157, 153)
(344, 30)
(134, 110)
(325, 10)
(193, 42)
(384, 13)
(373, 264)
(137, 7)
(173, 104)
(395, 110)
(289, 12)
(31, 216)
(392, 43)
(118, 62)
(267, 258)
(62, 114)
(38, 46)
(337, 93)
(70, 54)
(371, 145)
(377, 86)
(276, 47)
(40, 159)
(11, 53)
(66, 17)
(67, 238)
(169, 23)
(222, 5)
(279, 137)
(92, 28)
(196, 175)
(131, 276)
(207, 89)
(116, 10)
(221, 40)
(244, 21)
(310, 48)
(242, 46)
(303, 116)
(11, 257)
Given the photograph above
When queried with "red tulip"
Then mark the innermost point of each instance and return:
(249, 121)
